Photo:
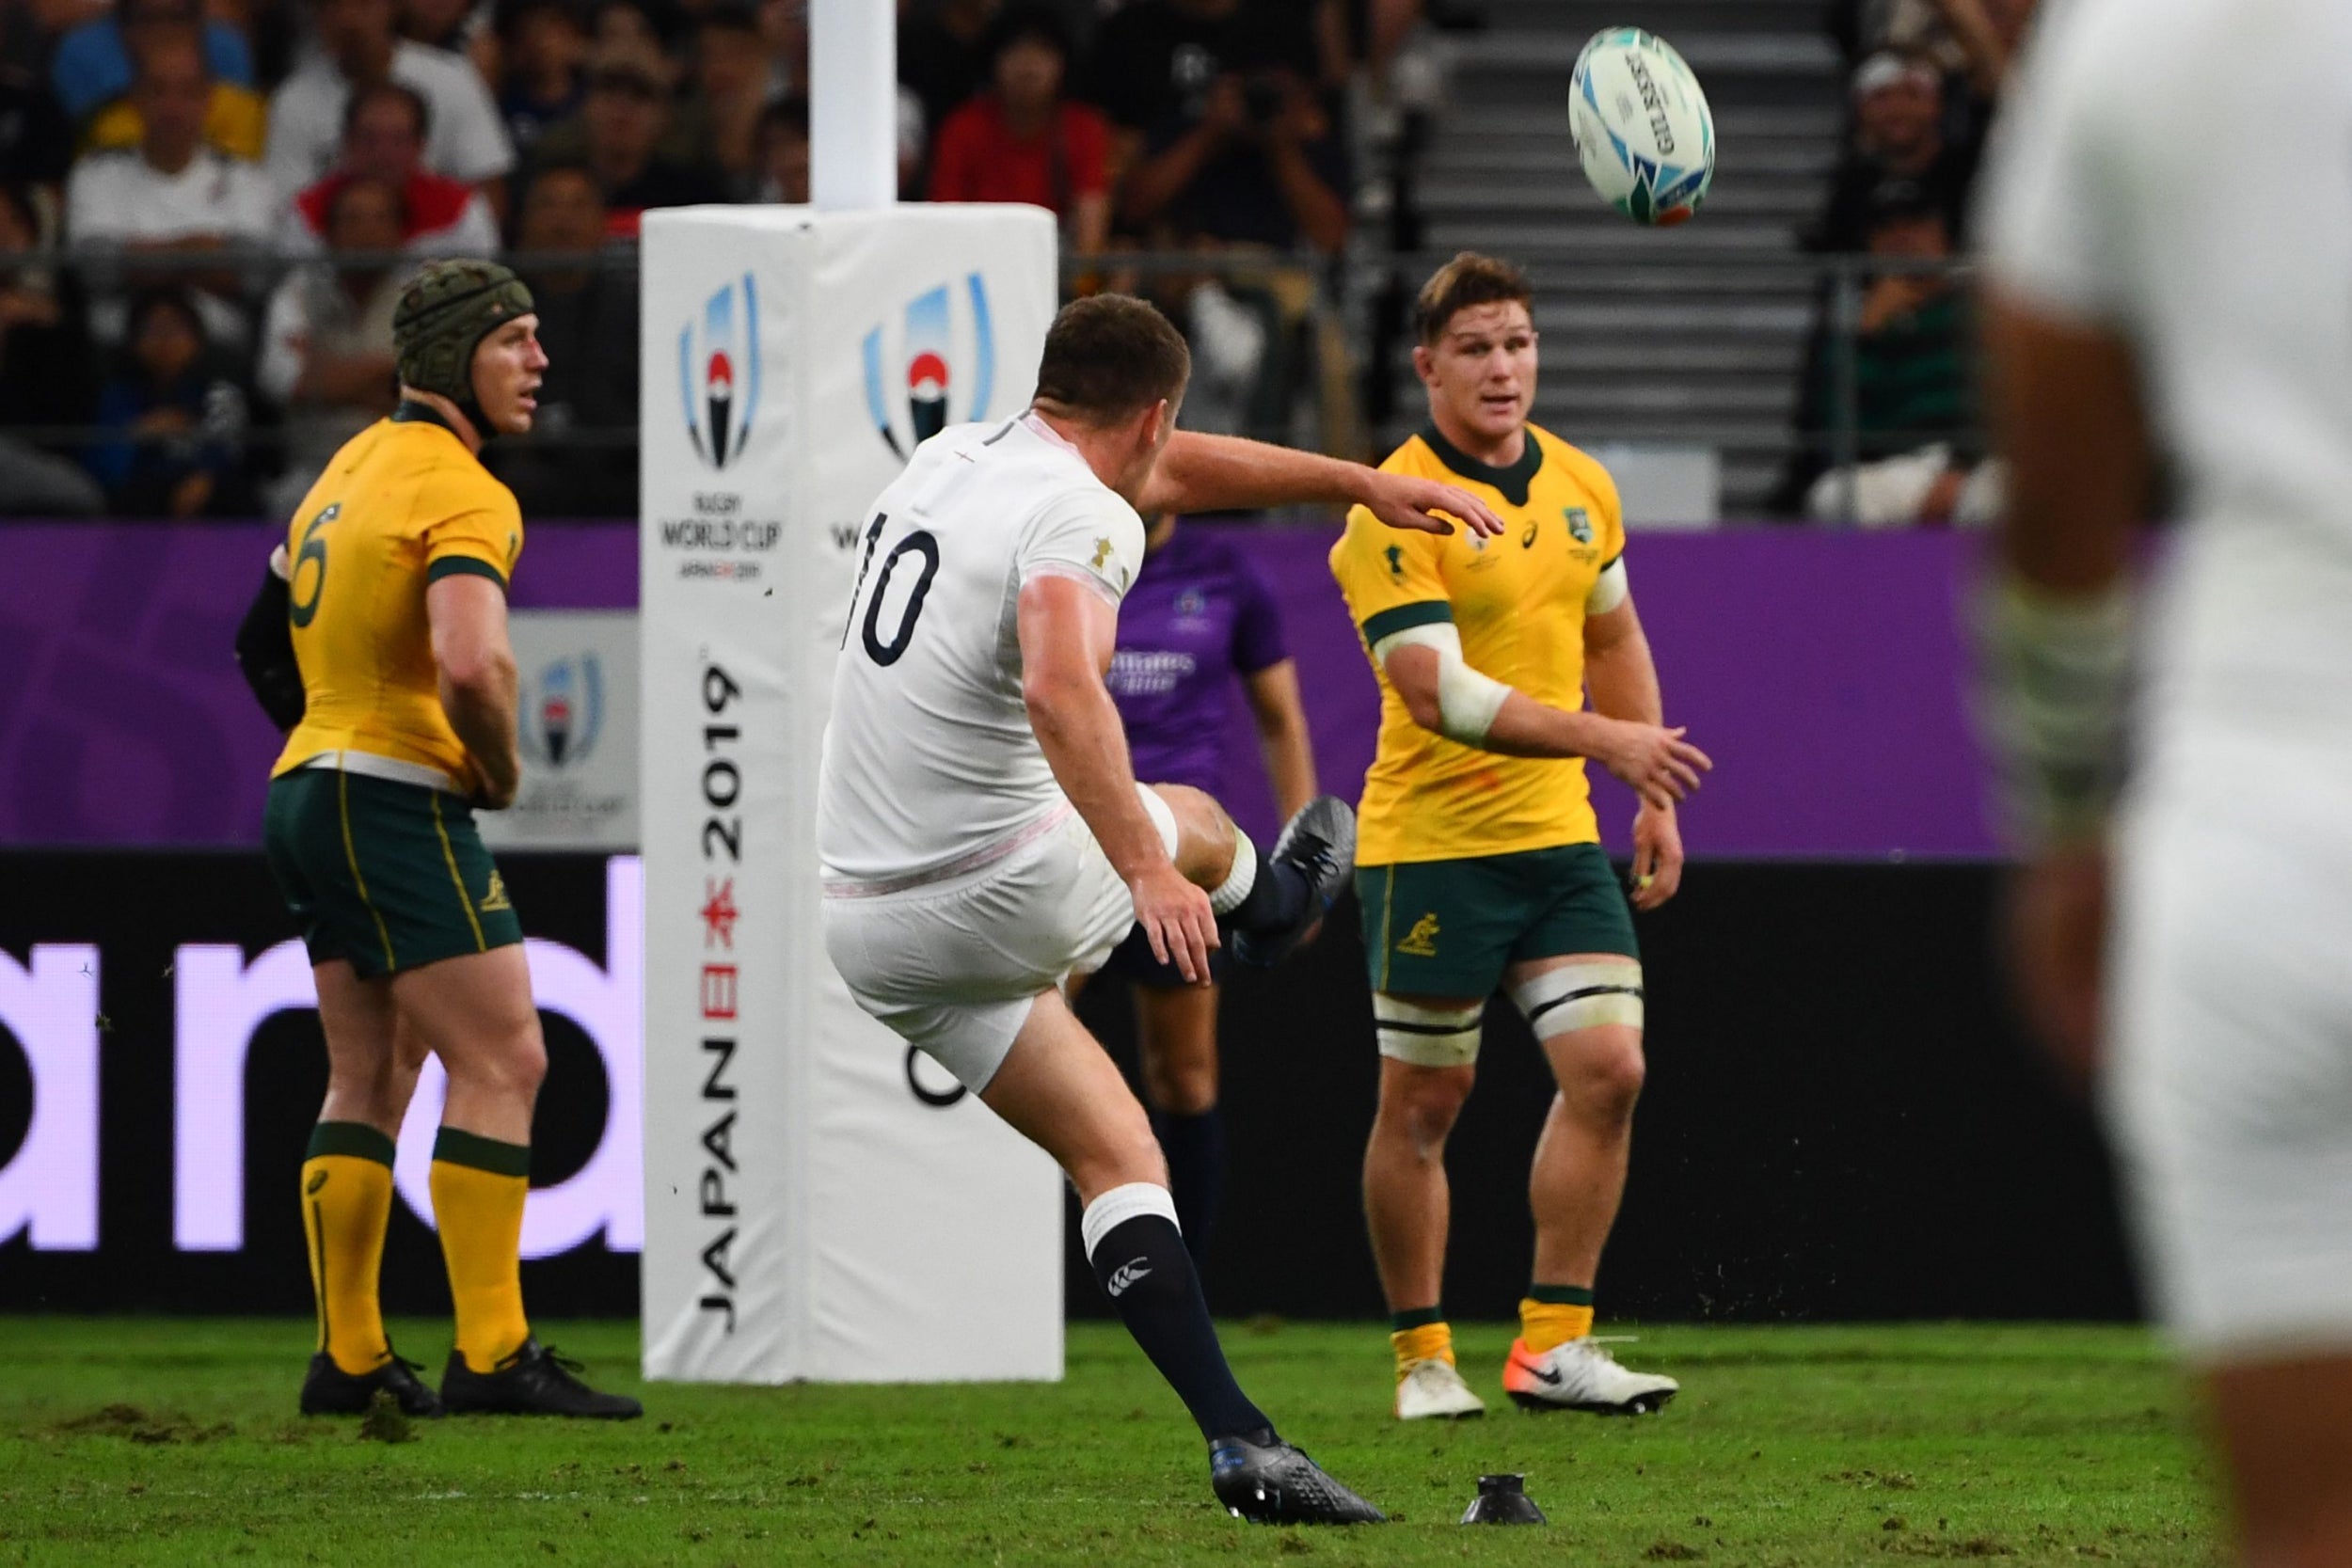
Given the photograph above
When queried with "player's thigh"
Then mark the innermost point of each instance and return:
(360, 1022)
(2286, 1438)
(952, 966)
(1059, 1089)
(475, 1012)
(1176, 1045)
(2228, 1086)
(1441, 929)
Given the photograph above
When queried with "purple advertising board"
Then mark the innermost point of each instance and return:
(1822, 672)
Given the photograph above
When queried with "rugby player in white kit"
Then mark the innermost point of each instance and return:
(983, 835)
(2172, 271)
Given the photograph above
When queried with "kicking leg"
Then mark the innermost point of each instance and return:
(1267, 901)
(347, 1196)
(1176, 1044)
(1058, 1089)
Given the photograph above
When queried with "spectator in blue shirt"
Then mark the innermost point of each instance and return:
(92, 66)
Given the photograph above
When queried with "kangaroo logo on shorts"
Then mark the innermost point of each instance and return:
(1422, 941)
(494, 899)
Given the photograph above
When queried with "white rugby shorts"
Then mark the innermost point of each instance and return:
(953, 965)
(2230, 1084)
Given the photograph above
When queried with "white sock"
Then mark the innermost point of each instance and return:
(1228, 895)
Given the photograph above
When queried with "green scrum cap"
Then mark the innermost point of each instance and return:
(443, 315)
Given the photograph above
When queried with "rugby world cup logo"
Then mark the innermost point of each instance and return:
(564, 714)
(926, 359)
(718, 372)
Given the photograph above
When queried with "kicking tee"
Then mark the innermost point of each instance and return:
(930, 765)
(1518, 601)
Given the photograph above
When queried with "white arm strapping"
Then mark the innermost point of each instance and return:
(1609, 589)
(2056, 697)
(1467, 701)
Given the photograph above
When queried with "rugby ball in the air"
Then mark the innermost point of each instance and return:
(1642, 126)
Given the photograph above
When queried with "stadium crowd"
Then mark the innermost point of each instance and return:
(1926, 79)
(162, 160)
(206, 205)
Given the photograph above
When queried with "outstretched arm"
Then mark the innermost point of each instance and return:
(1444, 695)
(1068, 630)
(1226, 473)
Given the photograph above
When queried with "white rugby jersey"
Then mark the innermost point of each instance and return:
(930, 764)
(2180, 171)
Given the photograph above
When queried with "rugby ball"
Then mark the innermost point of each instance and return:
(1642, 126)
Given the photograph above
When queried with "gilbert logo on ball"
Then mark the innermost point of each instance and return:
(1643, 128)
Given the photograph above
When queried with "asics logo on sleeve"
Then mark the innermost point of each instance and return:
(1126, 1274)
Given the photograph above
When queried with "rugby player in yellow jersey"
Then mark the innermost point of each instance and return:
(1478, 859)
(398, 564)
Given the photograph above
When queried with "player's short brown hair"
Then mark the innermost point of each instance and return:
(1110, 357)
(1467, 281)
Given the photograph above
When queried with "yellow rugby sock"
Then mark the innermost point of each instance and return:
(1551, 1315)
(479, 1185)
(346, 1204)
(1422, 1335)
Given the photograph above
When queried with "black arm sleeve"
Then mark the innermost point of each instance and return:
(265, 654)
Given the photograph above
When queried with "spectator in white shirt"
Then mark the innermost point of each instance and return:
(465, 139)
(326, 345)
(384, 138)
(171, 194)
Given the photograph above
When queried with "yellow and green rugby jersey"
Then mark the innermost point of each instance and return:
(1518, 600)
(402, 504)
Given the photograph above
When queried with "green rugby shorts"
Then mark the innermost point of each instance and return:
(386, 875)
(1450, 928)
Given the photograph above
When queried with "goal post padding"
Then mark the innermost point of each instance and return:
(818, 1204)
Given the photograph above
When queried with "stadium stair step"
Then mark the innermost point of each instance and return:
(1689, 336)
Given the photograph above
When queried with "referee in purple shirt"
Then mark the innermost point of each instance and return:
(1197, 615)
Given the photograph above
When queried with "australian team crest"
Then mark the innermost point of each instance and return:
(718, 372)
(929, 351)
(563, 710)
(1580, 524)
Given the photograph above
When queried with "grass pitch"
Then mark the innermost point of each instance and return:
(168, 1441)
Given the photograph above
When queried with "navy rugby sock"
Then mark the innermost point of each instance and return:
(1141, 1262)
(1276, 902)
(1195, 1147)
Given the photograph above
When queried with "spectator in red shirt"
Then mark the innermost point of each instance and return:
(1020, 140)
(384, 140)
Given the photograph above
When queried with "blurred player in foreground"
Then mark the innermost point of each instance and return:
(2155, 289)
(1198, 616)
(984, 834)
(395, 594)
(1479, 862)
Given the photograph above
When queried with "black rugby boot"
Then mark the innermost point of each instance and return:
(1265, 1481)
(329, 1390)
(1317, 846)
(534, 1381)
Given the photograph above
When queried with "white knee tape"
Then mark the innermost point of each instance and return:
(1427, 1037)
(1582, 996)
